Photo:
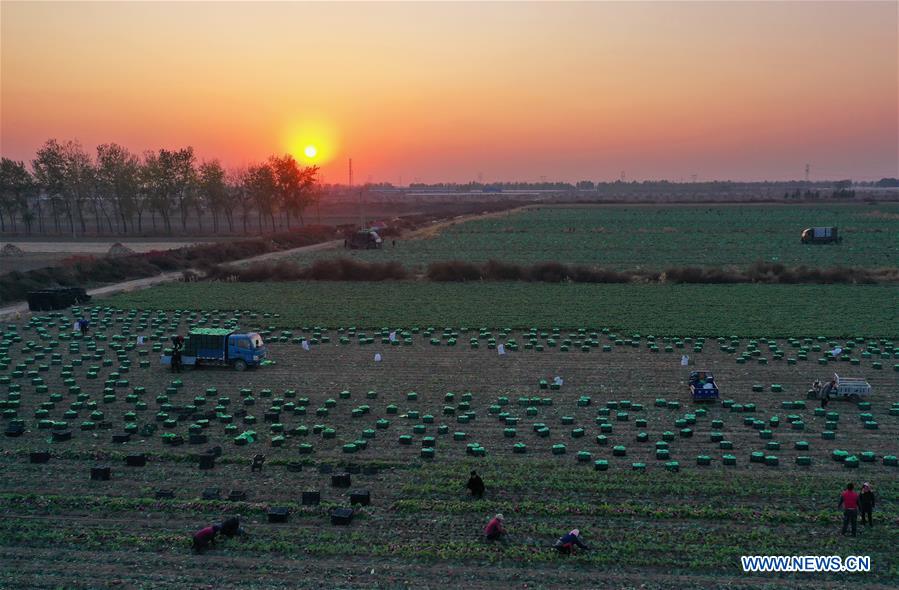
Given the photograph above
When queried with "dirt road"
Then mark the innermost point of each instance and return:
(18, 309)
(418, 234)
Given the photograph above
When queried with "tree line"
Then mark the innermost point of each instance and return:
(66, 190)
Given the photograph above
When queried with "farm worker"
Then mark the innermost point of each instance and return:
(305, 344)
(500, 349)
(567, 543)
(684, 360)
(393, 336)
(494, 531)
(849, 503)
(205, 537)
(85, 325)
(558, 381)
(866, 502)
(816, 388)
(231, 527)
(825, 393)
(176, 357)
(377, 357)
(476, 485)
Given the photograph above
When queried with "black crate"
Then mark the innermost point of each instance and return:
(62, 435)
(311, 498)
(325, 468)
(14, 430)
(207, 461)
(101, 473)
(214, 451)
(39, 456)
(137, 460)
(237, 496)
(104, 425)
(367, 470)
(341, 480)
(121, 438)
(197, 439)
(294, 467)
(353, 469)
(341, 516)
(165, 494)
(212, 494)
(361, 497)
(278, 514)
(272, 417)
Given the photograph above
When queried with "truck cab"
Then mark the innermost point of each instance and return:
(703, 387)
(247, 348)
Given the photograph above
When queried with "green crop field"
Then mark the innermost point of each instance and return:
(706, 310)
(668, 494)
(659, 237)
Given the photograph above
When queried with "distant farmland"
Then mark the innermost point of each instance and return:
(659, 237)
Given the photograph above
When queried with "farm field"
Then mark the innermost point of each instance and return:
(617, 450)
(704, 310)
(658, 237)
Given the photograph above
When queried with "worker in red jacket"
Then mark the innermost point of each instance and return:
(849, 503)
(495, 531)
(205, 537)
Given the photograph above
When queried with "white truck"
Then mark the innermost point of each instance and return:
(851, 388)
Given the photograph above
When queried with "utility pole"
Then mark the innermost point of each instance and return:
(806, 173)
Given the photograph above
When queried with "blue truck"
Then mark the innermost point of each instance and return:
(220, 347)
(703, 387)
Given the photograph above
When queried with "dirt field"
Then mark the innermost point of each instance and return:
(652, 529)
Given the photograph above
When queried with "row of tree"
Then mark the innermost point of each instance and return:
(68, 191)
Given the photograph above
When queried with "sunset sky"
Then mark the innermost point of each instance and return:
(445, 92)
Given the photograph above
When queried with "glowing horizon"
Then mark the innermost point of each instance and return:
(456, 92)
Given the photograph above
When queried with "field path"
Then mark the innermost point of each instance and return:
(434, 229)
(12, 311)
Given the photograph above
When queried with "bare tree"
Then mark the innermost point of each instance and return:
(16, 186)
(294, 185)
(213, 190)
(49, 168)
(183, 177)
(240, 188)
(263, 189)
(118, 183)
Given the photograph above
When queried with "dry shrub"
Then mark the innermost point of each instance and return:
(494, 270)
(548, 272)
(454, 270)
(583, 274)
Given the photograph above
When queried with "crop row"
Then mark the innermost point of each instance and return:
(773, 311)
